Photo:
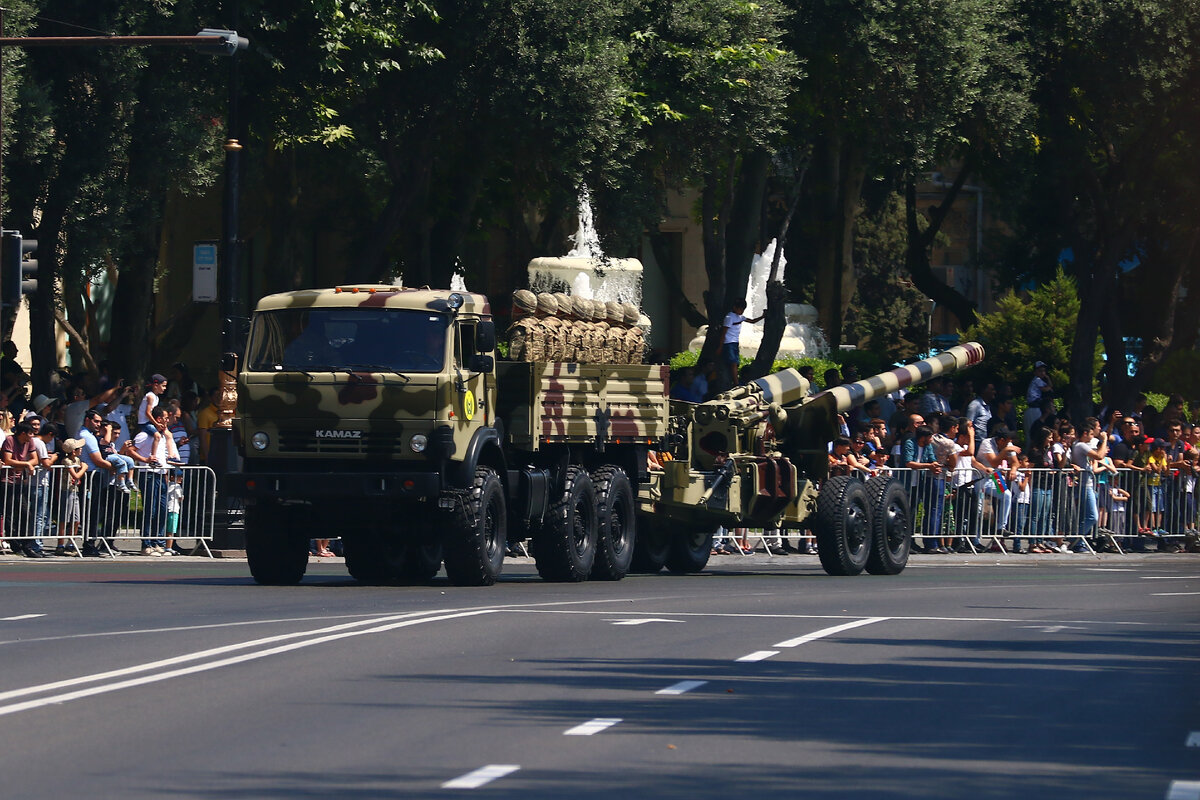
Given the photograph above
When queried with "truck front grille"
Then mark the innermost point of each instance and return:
(369, 444)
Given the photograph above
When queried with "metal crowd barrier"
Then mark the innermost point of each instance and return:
(49, 505)
(972, 510)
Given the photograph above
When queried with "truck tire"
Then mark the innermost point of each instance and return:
(369, 560)
(617, 526)
(843, 526)
(275, 556)
(564, 548)
(651, 547)
(422, 560)
(891, 526)
(689, 551)
(478, 529)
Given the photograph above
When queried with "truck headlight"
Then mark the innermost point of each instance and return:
(260, 440)
(418, 442)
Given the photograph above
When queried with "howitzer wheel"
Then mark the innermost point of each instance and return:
(689, 551)
(651, 547)
(277, 556)
(843, 526)
(564, 547)
(478, 531)
(891, 526)
(617, 525)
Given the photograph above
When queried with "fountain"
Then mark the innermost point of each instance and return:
(586, 271)
(801, 336)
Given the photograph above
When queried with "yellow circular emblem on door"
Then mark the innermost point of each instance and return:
(469, 405)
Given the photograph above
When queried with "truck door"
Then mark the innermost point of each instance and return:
(473, 406)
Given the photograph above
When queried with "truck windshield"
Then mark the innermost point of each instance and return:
(318, 339)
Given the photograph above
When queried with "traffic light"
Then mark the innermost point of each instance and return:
(18, 267)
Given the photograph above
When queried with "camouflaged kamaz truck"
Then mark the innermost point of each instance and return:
(380, 415)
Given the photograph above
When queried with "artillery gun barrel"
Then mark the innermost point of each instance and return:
(849, 395)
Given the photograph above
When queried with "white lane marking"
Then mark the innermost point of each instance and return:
(730, 615)
(211, 665)
(1109, 569)
(1173, 594)
(1193, 739)
(21, 617)
(821, 634)
(592, 727)
(758, 655)
(640, 621)
(1053, 628)
(681, 687)
(481, 776)
(1170, 577)
(1184, 790)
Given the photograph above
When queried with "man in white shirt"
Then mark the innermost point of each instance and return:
(157, 451)
(998, 453)
(731, 334)
(1090, 449)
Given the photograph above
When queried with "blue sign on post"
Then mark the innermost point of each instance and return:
(204, 272)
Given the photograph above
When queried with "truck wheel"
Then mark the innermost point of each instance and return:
(371, 559)
(689, 552)
(843, 526)
(422, 559)
(475, 542)
(651, 547)
(891, 526)
(616, 516)
(275, 557)
(565, 545)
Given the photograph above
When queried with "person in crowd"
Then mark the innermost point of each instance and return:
(1001, 408)
(150, 400)
(1091, 447)
(839, 457)
(832, 377)
(980, 411)
(178, 430)
(917, 454)
(1175, 449)
(157, 452)
(1156, 471)
(93, 460)
(731, 333)
(20, 458)
(998, 453)
(933, 401)
(181, 382)
(73, 475)
(809, 373)
(1021, 480)
(1041, 462)
(206, 420)
(118, 411)
(6, 424)
(13, 378)
(47, 457)
(684, 388)
(175, 508)
(81, 402)
(122, 477)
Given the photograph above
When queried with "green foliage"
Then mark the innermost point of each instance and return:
(1024, 330)
(1178, 374)
(867, 363)
(888, 316)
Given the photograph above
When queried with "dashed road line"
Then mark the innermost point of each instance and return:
(682, 687)
(821, 634)
(481, 776)
(758, 655)
(21, 617)
(1183, 790)
(1170, 577)
(1173, 594)
(642, 621)
(592, 727)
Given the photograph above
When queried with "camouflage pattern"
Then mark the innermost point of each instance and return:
(635, 337)
(362, 415)
(754, 452)
(563, 403)
(617, 342)
(602, 351)
(520, 332)
(566, 328)
(545, 335)
(582, 329)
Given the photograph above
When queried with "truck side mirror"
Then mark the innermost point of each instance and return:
(485, 337)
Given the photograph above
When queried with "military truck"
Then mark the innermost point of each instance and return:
(381, 415)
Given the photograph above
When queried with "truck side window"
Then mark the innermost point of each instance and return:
(464, 344)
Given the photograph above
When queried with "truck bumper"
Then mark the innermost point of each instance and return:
(327, 485)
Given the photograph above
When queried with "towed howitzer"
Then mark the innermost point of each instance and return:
(753, 454)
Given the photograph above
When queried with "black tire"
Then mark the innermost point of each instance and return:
(843, 526)
(689, 551)
(651, 547)
(564, 547)
(891, 526)
(477, 532)
(616, 516)
(276, 554)
(370, 559)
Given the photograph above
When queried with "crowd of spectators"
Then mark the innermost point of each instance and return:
(134, 437)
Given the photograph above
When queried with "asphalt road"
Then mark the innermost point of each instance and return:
(970, 678)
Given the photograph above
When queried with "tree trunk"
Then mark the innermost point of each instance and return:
(744, 235)
(841, 172)
(686, 308)
(916, 255)
(716, 200)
